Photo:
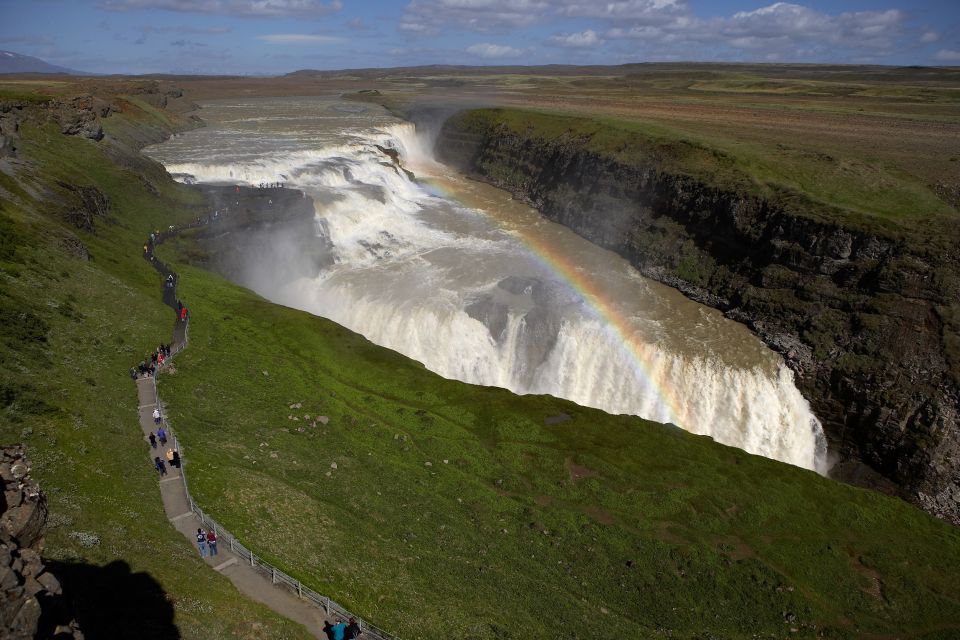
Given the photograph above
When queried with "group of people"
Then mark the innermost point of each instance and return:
(341, 630)
(149, 365)
(207, 542)
(172, 454)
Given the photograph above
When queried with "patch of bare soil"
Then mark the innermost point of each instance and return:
(578, 472)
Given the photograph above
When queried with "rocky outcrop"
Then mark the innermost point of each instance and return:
(24, 582)
(11, 115)
(80, 116)
(864, 319)
(84, 205)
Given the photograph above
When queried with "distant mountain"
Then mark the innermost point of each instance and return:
(11, 62)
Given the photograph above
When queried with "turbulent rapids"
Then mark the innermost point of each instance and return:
(482, 289)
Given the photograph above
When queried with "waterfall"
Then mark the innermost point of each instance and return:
(419, 272)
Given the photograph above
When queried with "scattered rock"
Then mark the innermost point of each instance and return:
(428, 464)
(323, 419)
(85, 538)
(333, 465)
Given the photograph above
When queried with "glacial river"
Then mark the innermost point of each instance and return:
(481, 288)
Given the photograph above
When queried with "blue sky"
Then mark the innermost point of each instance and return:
(278, 36)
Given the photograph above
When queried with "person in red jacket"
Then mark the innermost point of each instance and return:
(212, 542)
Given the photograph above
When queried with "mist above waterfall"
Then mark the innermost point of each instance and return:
(480, 288)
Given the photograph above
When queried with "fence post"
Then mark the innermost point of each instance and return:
(232, 539)
(326, 604)
(251, 559)
(299, 589)
(273, 575)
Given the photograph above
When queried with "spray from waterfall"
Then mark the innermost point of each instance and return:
(422, 267)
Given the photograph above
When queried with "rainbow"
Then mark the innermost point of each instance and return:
(620, 331)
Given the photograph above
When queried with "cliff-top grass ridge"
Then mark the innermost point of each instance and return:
(434, 508)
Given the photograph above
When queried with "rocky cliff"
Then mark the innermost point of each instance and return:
(867, 321)
(26, 586)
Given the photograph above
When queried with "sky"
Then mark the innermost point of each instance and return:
(265, 37)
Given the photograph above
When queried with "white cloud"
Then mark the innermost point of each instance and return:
(646, 11)
(947, 55)
(582, 40)
(929, 36)
(670, 29)
(298, 38)
(488, 50)
(242, 8)
(428, 16)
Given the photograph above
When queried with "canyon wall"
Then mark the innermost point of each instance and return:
(866, 320)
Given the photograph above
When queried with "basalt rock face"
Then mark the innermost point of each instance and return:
(862, 319)
(84, 206)
(24, 582)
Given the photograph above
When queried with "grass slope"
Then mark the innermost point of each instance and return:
(439, 509)
(71, 330)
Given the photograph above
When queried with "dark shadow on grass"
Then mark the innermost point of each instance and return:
(109, 602)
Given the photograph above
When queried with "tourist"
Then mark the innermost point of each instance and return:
(170, 458)
(153, 441)
(212, 542)
(161, 468)
(353, 630)
(338, 629)
(176, 458)
(202, 543)
(133, 373)
(328, 629)
(156, 415)
(162, 436)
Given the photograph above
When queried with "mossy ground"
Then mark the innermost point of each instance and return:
(71, 330)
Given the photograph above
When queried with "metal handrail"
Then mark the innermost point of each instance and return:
(278, 577)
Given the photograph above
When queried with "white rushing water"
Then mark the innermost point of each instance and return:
(481, 289)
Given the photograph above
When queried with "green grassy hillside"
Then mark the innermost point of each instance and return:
(72, 327)
(440, 509)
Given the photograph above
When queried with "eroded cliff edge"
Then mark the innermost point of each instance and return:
(866, 318)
